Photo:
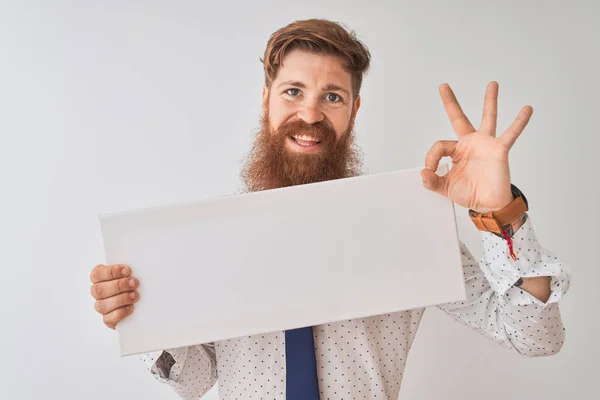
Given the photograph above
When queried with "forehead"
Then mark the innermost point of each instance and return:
(313, 69)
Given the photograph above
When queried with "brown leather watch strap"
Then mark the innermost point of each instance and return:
(497, 221)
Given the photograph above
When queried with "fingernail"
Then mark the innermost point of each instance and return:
(131, 282)
(125, 271)
(133, 295)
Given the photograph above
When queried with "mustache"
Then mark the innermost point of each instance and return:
(321, 130)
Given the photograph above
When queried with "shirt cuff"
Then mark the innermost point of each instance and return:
(166, 365)
(532, 260)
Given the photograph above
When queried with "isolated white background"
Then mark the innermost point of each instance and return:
(113, 105)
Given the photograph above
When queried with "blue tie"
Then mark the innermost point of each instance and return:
(301, 366)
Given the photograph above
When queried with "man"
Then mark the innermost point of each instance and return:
(313, 74)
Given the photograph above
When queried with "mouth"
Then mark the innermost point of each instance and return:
(305, 140)
(304, 143)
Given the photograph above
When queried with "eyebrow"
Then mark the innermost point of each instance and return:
(328, 88)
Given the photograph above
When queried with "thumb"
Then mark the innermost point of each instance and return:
(434, 182)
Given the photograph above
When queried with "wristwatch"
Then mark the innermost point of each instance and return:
(499, 221)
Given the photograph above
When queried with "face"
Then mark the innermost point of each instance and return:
(312, 88)
(306, 128)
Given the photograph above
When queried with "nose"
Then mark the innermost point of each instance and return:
(310, 113)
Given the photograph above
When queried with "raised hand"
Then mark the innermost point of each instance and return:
(480, 175)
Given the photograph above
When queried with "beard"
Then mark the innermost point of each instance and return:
(271, 164)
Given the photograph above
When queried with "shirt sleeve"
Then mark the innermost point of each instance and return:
(190, 371)
(504, 312)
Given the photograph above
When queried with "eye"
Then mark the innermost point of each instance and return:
(333, 97)
(293, 92)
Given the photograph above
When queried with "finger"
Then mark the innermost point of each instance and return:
(104, 290)
(112, 303)
(459, 120)
(513, 132)
(434, 182)
(102, 273)
(113, 318)
(490, 109)
(441, 148)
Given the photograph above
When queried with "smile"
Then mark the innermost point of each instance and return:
(304, 143)
(305, 140)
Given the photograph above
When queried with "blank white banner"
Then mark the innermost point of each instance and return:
(285, 258)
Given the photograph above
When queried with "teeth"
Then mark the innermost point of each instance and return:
(305, 138)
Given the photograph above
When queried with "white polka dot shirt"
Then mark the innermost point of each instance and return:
(365, 358)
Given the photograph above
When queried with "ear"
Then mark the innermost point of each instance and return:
(265, 97)
(357, 104)
(355, 107)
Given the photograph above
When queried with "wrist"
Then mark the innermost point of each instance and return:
(499, 220)
(502, 202)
